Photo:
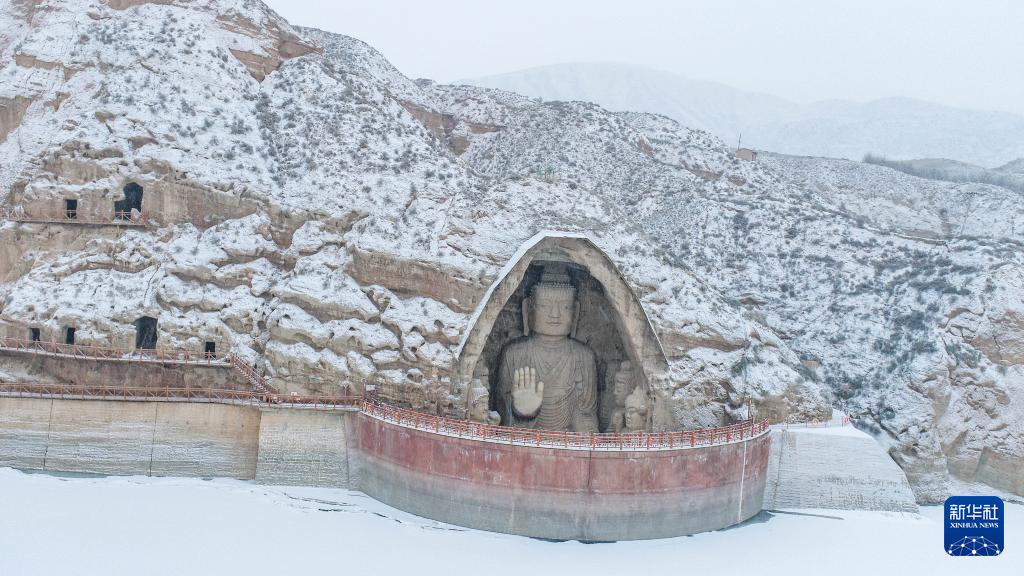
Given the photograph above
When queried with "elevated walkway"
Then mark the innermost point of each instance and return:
(81, 352)
(73, 218)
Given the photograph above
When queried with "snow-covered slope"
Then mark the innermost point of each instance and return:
(894, 127)
(334, 221)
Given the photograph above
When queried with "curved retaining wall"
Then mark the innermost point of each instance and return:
(558, 493)
(504, 484)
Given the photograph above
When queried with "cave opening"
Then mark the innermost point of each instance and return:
(132, 201)
(70, 209)
(210, 349)
(33, 334)
(145, 333)
(69, 335)
(608, 322)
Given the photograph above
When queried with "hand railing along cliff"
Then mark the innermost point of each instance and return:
(259, 383)
(85, 352)
(108, 353)
(551, 439)
(72, 391)
(73, 217)
(262, 393)
(181, 393)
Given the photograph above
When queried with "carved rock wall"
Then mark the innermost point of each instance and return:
(11, 112)
(96, 179)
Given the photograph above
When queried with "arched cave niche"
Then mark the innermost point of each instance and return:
(145, 333)
(611, 322)
(132, 201)
(595, 327)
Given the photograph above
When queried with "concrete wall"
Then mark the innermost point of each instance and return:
(542, 492)
(108, 437)
(558, 493)
(24, 431)
(837, 468)
(303, 447)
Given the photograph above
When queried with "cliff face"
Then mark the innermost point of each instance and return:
(333, 221)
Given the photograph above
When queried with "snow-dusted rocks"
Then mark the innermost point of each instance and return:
(336, 224)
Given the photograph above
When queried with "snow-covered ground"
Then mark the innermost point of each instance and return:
(141, 526)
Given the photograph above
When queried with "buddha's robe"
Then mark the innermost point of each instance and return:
(569, 373)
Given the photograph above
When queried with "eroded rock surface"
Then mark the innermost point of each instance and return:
(337, 224)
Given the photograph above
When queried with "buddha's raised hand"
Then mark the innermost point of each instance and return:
(527, 392)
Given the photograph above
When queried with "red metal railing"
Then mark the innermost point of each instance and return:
(403, 417)
(30, 389)
(259, 383)
(264, 394)
(844, 421)
(185, 394)
(550, 439)
(72, 217)
(316, 402)
(116, 354)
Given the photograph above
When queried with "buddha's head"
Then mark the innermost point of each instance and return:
(623, 382)
(636, 411)
(552, 305)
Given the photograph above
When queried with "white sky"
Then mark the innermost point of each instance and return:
(968, 54)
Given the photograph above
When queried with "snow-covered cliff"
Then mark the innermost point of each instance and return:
(334, 221)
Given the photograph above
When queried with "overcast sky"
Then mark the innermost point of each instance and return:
(968, 54)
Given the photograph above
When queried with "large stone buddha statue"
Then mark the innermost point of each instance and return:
(547, 379)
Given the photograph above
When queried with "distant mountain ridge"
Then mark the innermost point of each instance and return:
(1009, 176)
(897, 128)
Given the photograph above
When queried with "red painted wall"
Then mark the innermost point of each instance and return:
(559, 493)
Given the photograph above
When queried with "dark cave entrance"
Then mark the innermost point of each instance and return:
(132, 201)
(70, 209)
(145, 333)
(210, 349)
(33, 334)
(69, 335)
